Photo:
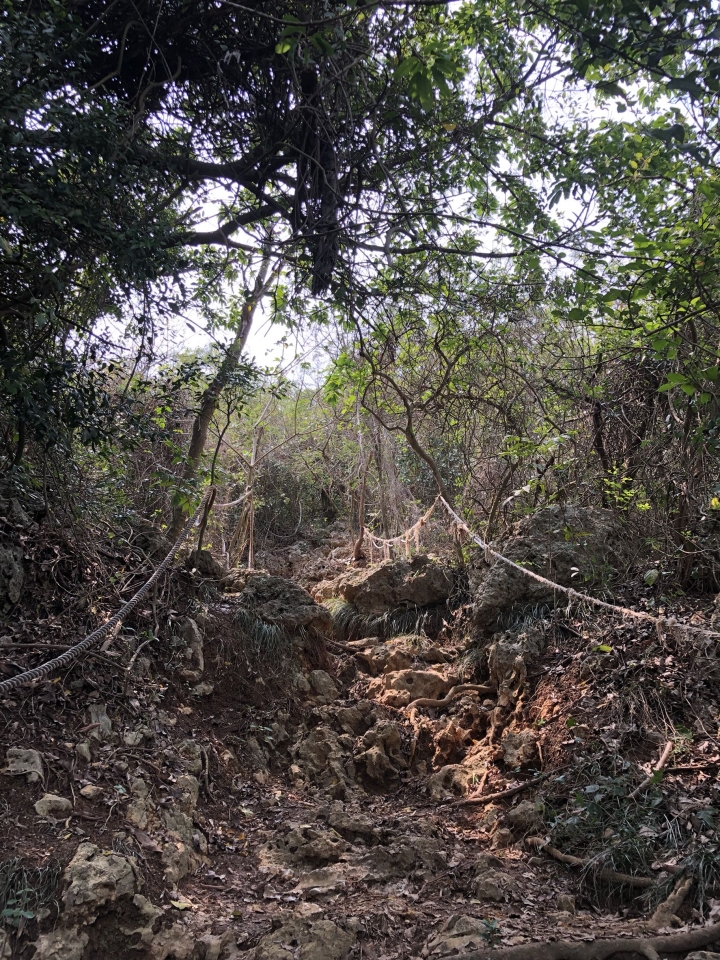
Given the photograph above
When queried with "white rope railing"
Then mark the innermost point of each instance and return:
(572, 594)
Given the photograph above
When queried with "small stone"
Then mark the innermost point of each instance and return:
(295, 772)
(98, 715)
(524, 817)
(138, 788)
(83, 751)
(26, 763)
(203, 689)
(260, 777)
(566, 903)
(502, 839)
(323, 685)
(132, 738)
(91, 792)
(53, 806)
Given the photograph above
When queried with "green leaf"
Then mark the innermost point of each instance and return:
(283, 46)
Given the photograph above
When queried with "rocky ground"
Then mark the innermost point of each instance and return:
(384, 767)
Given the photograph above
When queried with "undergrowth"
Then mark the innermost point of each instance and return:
(602, 825)
(348, 624)
(25, 893)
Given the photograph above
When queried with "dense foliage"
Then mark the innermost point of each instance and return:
(495, 223)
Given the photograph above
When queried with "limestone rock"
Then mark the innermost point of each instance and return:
(285, 604)
(573, 546)
(194, 653)
(460, 934)
(519, 748)
(191, 756)
(392, 583)
(12, 575)
(98, 715)
(323, 686)
(352, 825)
(566, 903)
(298, 938)
(414, 855)
(61, 944)
(96, 879)
(382, 758)
(91, 792)
(401, 687)
(524, 817)
(323, 759)
(27, 763)
(206, 565)
(51, 805)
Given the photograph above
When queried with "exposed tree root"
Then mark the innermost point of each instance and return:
(649, 947)
(665, 913)
(457, 691)
(625, 878)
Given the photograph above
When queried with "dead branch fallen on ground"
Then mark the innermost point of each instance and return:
(605, 872)
(475, 801)
(664, 757)
(649, 947)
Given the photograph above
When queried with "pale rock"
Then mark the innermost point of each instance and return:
(203, 689)
(60, 944)
(51, 805)
(323, 882)
(703, 955)
(27, 763)
(565, 903)
(519, 748)
(82, 749)
(91, 791)
(458, 935)
(524, 817)
(390, 584)
(502, 839)
(285, 604)
(138, 788)
(95, 879)
(191, 756)
(565, 543)
(98, 715)
(132, 738)
(401, 687)
(298, 938)
(12, 575)
(323, 686)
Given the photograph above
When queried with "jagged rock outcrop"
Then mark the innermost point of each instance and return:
(582, 547)
(285, 604)
(375, 590)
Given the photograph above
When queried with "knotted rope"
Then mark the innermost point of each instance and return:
(97, 635)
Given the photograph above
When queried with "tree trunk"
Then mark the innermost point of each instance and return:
(211, 396)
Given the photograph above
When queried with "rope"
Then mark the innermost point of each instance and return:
(569, 591)
(97, 635)
(459, 524)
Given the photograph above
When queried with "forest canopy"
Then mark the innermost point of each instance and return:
(496, 222)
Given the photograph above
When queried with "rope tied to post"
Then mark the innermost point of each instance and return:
(37, 673)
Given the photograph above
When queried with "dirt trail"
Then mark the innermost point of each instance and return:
(264, 785)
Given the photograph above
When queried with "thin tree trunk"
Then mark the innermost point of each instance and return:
(211, 396)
